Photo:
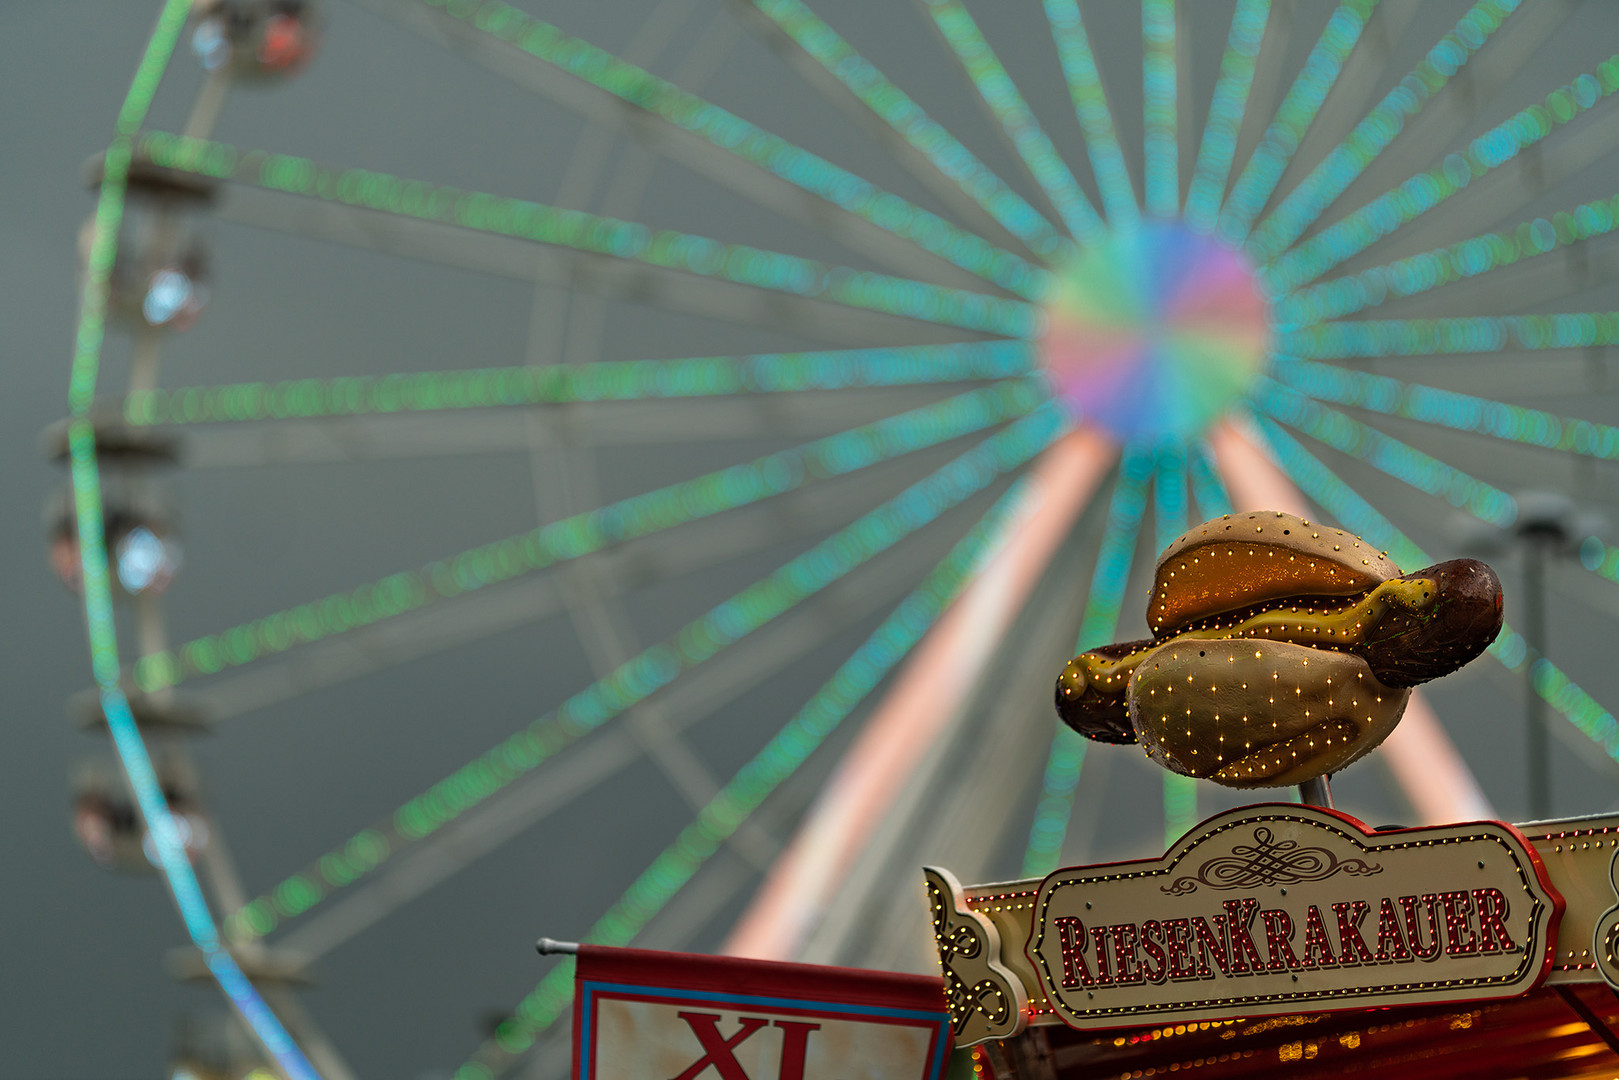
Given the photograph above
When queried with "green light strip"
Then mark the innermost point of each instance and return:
(1448, 408)
(1461, 261)
(1000, 93)
(1095, 119)
(1294, 116)
(1169, 506)
(1384, 453)
(581, 231)
(615, 380)
(735, 136)
(1346, 161)
(591, 531)
(1226, 111)
(922, 132)
(1055, 808)
(1162, 154)
(1338, 498)
(654, 668)
(753, 783)
(1361, 339)
(1212, 498)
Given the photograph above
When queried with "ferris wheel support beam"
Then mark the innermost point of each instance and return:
(1425, 763)
(926, 698)
(606, 110)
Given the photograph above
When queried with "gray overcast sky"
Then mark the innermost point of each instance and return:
(82, 988)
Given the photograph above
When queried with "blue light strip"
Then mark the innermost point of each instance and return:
(126, 736)
(921, 131)
(1432, 269)
(1438, 337)
(581, 231)
(1212, 498)
(1169, 508)
(735, 136)
(1344, 503)
(1226, 110)
(1095, 120)
(1305, 203)
(754, 782)
(1386, 213)
(1385, 453)
(1158, 108)
(1448, 408)
(1000, 93)
(1293, 118)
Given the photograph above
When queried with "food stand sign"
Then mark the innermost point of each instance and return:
(1276, 909)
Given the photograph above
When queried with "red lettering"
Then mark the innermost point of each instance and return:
(1388, 931)
(1278, 939)
(1245, 958)
(794, 1047)
(1459, 922)
(718, 1051)
(1152, 937)
(1124, 951)
(1351, 946)
(1178, 942)
(1492, 927)
(1413, 933)
(1317, 947)
(1071, 936)
(1104, 972)
(1210, 944)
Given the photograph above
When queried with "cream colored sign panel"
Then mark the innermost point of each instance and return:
(1275, 909)
(655, 1040)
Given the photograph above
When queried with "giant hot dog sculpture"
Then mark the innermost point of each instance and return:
(1281, 651)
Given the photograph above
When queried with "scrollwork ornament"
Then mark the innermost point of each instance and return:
(986, 1000)
(1268, 861)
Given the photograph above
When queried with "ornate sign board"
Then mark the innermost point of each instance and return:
(642, 1015)
(1277, 909)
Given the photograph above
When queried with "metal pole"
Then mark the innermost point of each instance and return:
(1316, 792)
(1535, 550)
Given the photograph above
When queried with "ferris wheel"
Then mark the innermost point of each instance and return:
(778, 617)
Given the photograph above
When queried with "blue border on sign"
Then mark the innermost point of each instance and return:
(589, 989)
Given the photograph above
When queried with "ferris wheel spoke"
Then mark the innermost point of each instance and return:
(1258, 179)
(588, 272)
(1470, 259)
(998, 91)
(753, 784)
(1449, 408)
(1212, 498)
(1103, 601)
(576, 230)
(698, 642)
(1227, 108)
(414, 866)
(712, 141)
(474, 617)
(1501, 145)
(1161, 171)
(1169, 509)
(1338, 498)
(925, 147)
(1349, 159)
(567, 384)
(584, 533)
(1385, 453)
(1095, 119)
(1472, 334)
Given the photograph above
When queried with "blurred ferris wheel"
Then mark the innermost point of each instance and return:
(1197, 259)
